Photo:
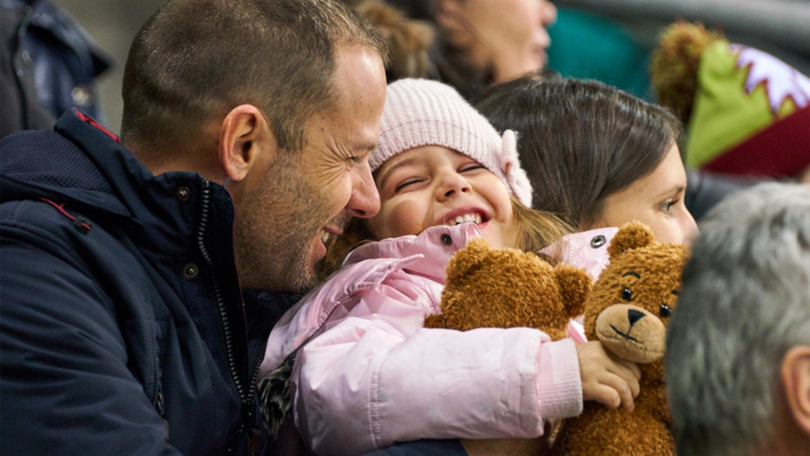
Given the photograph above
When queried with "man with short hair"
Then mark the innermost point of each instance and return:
(738, 346)
(246, 133)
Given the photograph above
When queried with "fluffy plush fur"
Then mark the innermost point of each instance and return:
(505, 288)
(626, 309)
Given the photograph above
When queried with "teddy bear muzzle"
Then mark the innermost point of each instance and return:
(632, 333)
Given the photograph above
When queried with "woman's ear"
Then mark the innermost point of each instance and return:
(245, 137)
(796, 384)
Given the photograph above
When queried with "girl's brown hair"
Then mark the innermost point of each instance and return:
(534, 230)
(579, 141)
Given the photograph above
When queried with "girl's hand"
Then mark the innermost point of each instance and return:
(605, 378)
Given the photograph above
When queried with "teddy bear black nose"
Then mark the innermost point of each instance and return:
(634, 316)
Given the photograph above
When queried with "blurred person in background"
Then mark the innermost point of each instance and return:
(48, 63)
(483, 42)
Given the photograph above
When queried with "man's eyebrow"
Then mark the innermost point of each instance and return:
(367, 147)
(394, 167)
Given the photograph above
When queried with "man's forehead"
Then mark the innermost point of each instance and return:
(359, 74)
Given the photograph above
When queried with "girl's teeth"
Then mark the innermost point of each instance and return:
(465, 218)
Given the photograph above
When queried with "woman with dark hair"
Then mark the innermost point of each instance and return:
(595, 155)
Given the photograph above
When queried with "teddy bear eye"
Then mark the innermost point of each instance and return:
(665, 311)
(627, 294)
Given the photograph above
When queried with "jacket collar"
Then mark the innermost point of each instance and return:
(164, 207)
(436, 244)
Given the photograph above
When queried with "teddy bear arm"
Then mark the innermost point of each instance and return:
(434, 321)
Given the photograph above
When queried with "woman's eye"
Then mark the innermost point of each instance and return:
(667, 205)
(627, 294)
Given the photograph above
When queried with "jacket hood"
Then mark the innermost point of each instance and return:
(89, 170)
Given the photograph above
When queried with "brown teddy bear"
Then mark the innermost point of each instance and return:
(627, 309)
(506, 288)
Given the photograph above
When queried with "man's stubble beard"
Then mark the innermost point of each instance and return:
(273, 232)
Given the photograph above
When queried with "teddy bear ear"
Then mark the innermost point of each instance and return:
(630, 236)
(477, 245)
(467, 259)
(575, 285)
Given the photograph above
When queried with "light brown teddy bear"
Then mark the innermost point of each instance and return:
(505, 288)
(627, 309)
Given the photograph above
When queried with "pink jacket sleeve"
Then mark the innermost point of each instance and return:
(375, 377)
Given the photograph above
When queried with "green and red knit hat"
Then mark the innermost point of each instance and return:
(746, 111)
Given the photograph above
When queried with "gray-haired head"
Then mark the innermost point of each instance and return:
(745, 302)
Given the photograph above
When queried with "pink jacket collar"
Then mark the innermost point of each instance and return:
(586, 250)
(425, 255)
(437, 243)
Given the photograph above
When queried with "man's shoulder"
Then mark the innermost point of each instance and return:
(48, 158)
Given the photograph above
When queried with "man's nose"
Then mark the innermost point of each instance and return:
(365, 200)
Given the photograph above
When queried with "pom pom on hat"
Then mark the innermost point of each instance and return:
(420, 112)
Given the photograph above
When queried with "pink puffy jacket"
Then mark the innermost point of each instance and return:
(374, 376)
(586, 250)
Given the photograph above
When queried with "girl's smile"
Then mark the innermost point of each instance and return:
(433, 185)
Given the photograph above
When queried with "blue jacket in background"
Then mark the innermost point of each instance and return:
(122, 325)
(48, 63)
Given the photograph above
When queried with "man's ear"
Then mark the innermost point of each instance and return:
(245, 137)
(796, 382)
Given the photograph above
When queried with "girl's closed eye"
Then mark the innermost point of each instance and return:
(407, 182)
(472, 166)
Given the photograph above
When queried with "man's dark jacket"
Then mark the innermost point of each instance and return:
(122, 324)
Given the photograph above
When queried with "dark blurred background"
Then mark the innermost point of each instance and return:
(112, 24)
(781, 27)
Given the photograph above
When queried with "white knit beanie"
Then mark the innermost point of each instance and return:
(420, 112)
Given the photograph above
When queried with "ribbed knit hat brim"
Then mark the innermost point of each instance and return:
(420, 112)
